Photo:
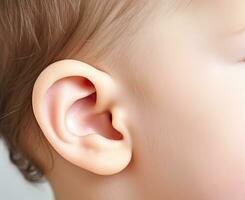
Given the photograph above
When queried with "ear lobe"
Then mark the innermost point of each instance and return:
(75, 108)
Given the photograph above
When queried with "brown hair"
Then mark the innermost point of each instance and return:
(34, 34)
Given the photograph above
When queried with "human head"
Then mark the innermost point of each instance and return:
(170, 95)
(38, 33)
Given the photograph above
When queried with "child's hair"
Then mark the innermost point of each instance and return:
(34, 34)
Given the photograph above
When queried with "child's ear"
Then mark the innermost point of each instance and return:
(74, 105)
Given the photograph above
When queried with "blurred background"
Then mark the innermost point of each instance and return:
(14, 187)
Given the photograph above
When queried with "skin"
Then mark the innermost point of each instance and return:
(183, 89)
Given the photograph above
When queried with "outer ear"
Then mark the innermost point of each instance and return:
(74, 105)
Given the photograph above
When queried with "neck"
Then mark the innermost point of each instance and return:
(70, 182)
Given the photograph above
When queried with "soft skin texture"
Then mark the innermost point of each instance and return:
(182, 86)
(71, 112)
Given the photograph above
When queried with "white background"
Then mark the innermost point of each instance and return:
(14, 187)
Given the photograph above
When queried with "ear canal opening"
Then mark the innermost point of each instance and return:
(115, 135)
(81, 120)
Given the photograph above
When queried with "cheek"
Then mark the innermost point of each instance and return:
(188, 119)
(193, 131)
(207, 107)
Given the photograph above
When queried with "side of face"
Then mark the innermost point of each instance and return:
(185, 80)
(176, 98)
